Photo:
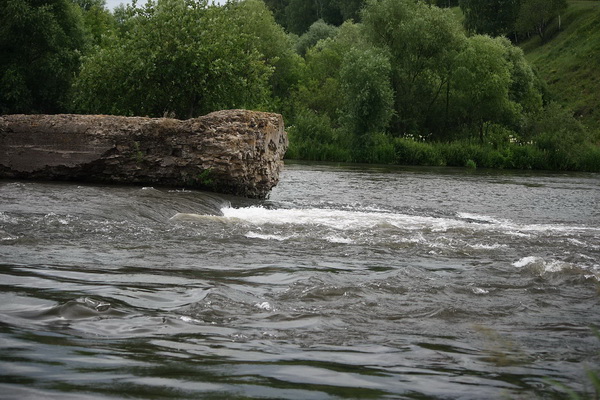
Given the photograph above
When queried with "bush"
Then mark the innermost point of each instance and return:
(410, 152)
(312, 137)
(377, 149)
(526, 157)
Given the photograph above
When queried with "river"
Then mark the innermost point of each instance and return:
(349, 282)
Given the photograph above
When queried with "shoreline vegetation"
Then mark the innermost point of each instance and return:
(406, 82)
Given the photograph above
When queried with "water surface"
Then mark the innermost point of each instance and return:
(350, 282)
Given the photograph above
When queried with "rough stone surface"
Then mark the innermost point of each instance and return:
(236, 151)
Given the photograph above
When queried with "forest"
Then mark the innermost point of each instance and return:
(409, 82)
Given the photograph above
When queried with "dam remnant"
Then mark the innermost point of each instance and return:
(237, 152)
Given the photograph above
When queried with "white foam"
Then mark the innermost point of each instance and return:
(478, 218)
(520, 230)
(7, 219)
(255, 235)
(338, 239)
(265, 305)
(525, 261)
(190, 320)
(53, 217)
(337, 219)
(4, 236)
(542, 266)
(187, 217)
(481, 246)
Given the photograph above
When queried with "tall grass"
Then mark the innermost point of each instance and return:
(403, 151)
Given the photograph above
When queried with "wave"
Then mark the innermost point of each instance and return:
(80, 308)
(541, 266)
(338, 219)
(358, 219)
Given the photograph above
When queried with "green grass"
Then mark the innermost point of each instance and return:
(569, 61)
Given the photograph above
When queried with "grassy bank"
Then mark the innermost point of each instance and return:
(569, 61)
(402, 151)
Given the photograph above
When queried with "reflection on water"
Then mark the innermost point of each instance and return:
(350, 282)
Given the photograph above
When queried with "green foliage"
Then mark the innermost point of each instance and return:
(179, 57)
(313, 138)
(204, 178)
(536, 15)
(100, 25)
(256, 24)
(300, 14)
(444, 85)
(565, 142)
(320, 89)
(423, 43)
(367, 95)
(470, 164)
(570, 60)
(402, 83)
(482, 84)
(411, 152)
(318, 31)
(40, 48)
(296, 16)
(490, 17)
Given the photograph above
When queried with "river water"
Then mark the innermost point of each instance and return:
(349, 282)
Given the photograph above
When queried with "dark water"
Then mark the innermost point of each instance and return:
(350, 282)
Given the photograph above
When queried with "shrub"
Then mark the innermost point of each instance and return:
(410, 152)
(312, 137)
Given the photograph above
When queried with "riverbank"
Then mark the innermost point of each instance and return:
(569, 61)
(548, 155)
(563, 136)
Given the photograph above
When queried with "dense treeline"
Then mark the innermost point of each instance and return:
(511, 17)
(391, 81)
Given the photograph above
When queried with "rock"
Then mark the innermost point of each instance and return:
(237, 151)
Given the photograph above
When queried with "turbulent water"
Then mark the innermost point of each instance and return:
(350, 282)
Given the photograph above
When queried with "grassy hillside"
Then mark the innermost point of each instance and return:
(570, 60)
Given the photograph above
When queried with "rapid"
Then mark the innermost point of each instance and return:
(351, 281)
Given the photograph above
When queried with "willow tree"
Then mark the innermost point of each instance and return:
(175, 57)
(255, 23)
(482, 86)
(40, 47)
(423, 43)
(367, 97)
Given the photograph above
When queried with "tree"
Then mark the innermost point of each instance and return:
(277, 7)
(525, 87)
(300, 14)
(423, 42)
(482, 84)
(491, 17)
(176, 57)
(296, 16)
(368, 99)
(99, 23)
(536, 15)
(317, 31)
(40, 47)
(350, 9)
(256, 23)
(319, 89)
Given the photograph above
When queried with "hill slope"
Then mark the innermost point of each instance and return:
(570, 60)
